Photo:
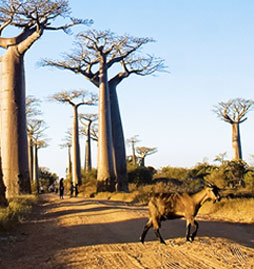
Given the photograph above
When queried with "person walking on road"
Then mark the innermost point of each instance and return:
(61, 188)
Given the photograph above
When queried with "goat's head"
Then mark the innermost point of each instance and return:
(213, 192)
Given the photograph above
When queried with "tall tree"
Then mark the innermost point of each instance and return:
(68, 144)
(32, 17)
(38, 143)
(35, 129)
(87, 120)
(143, 152)
(34, 126)
(84, 98)
(102, 49)
(234, 112)
(3, 200)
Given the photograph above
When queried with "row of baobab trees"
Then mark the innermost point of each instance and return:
(94, 54)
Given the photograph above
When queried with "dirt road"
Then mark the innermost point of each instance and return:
(88, 233)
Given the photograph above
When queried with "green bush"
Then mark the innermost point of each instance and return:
(89, 182)
(249, 180)
(46, 178)
(141, 175)
(201, 170)
(17, 210)
(174, 172)
(229, 174)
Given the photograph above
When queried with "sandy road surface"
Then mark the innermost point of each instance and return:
(88, 233)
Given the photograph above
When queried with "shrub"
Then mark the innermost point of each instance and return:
(17, 210)
(229, 174)
(249, 181)
(201, 170)
(174, 172)
(141, 175)
(89, 181)
(46, 178)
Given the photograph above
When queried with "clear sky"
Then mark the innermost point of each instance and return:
(208, 48)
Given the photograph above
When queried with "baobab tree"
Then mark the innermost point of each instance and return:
(34, 126)
(96, 52)
(132, 141)
(35, 129)
(234, 112)
(68, 144)
(38, 144)
(32, 18)
(87, 120)
(143, 152)
(3, 200)
(84, 98)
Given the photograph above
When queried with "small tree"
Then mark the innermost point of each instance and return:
(234, 112)
(133, 140)
(84, 98)
(220, 157)
(47, 178)
(143, 152)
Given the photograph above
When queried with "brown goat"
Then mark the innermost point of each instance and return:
(163, 206)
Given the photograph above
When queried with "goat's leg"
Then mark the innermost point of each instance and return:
(187, 232)
(157, 232)
(195, 232)
(146, 228)
(156, 227)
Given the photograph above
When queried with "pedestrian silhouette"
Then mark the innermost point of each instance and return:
(71, 189)
(61, 188)
(76, 190)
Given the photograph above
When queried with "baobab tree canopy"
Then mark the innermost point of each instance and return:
(143, 152)
(35, 13)
(235, 110)
(85, 57)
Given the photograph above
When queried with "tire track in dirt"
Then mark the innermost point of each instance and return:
(87, 233)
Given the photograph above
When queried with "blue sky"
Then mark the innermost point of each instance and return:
(208, 48)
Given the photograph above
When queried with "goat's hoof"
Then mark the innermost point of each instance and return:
(141, 240)
(189, 240)
(163, 242)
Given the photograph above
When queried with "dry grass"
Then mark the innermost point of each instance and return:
(233, 210)
(17, 210)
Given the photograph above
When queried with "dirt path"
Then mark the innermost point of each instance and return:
(88, 233)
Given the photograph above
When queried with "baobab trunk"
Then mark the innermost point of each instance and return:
(76, 169)
(88, 161)
(3, 200)
(69, 161)
(119, 154)
(106, 175)
(30, 156)
(134, 158)
(36, 167)
(142, 162)
(14, 148)
(236, 142)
